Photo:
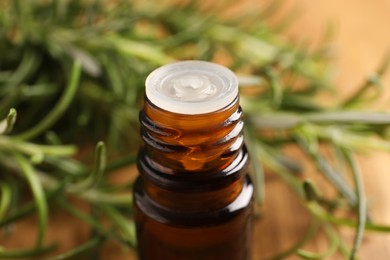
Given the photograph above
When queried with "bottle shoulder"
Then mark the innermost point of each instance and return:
(241, 205)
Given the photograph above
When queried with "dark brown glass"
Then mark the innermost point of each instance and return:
(193, 198)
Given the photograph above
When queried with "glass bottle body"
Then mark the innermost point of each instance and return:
(193, 198)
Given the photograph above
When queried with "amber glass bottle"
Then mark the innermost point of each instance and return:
(193, 198)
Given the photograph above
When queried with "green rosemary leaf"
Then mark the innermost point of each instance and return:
(32, 149)
(300, 103)
(284, 120)
(39, 196)
(141, 50)
(38, 91)
(5, 199)
(289, 163)
(24, 253)
(7, 124)
(349, 117)
(340, 161)
(89, 64)
(249, 47)
(348, 138)
(276, 87)
(361, 202)
(310, 232)
(70, 167)
(275, 120)
(323, 215)
(334, 242)
(52, 138)
(117, 84)
(311, 193)
(93, 179)
(250, 81)
(100, 163)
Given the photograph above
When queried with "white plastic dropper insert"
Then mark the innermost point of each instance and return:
(191, 87)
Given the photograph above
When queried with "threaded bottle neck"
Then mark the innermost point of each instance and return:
(192, 143)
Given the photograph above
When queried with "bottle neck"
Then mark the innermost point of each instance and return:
(192, 143)
(190, 162)
(194, 192)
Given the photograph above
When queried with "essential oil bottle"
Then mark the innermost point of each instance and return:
(193, 197)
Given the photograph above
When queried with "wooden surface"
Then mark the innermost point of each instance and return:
(362, 38)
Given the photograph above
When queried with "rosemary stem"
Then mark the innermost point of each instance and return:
(39, 195)
(361, 203)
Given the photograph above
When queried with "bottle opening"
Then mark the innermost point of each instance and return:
(192, 87)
